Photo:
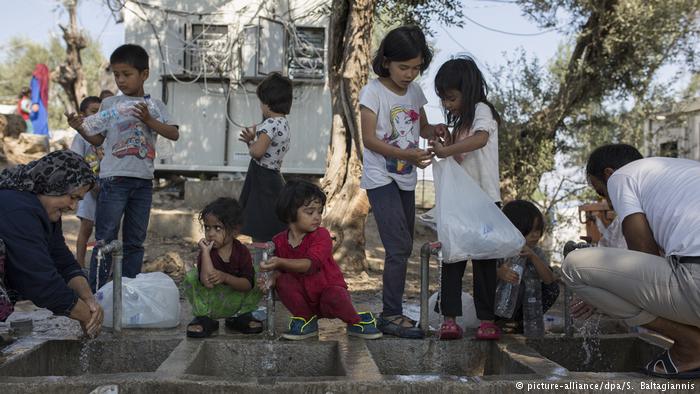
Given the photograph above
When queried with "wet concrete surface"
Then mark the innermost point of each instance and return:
(55, 359)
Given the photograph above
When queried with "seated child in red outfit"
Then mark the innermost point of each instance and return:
(308, 281)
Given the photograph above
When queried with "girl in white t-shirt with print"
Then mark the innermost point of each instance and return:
(392, 120)
(474, 144)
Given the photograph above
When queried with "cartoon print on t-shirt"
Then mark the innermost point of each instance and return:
(134, 141)
(402, 121)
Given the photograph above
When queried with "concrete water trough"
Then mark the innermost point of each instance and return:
(433, 357)
(261, 358)
(74, 357)
(606, 353)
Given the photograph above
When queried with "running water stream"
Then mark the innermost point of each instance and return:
(85, 353)
(590, 332)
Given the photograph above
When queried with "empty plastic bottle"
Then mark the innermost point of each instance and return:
(152, 107)
(507, 293)
(95, 124)
(533, 322)
(164, 147)
(99, 122)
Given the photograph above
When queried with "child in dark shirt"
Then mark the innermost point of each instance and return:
(222, 285)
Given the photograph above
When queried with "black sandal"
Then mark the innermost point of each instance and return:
(394, 325)
(209, 326)
(241, 323)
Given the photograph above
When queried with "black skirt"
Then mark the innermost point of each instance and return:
(261, 188)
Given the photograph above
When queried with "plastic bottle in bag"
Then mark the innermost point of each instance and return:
(507, 293)
(533, 322)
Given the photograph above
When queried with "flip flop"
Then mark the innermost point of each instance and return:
(483, 327)
(209, 326)
(241, 323)
(670, 369)
(450, 330)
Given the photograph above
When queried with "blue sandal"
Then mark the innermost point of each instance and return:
(670, 369)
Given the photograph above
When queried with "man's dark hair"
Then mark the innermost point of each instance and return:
(276, 92)
(610, 156)
(525, 216)
(295, 194)
(401, 44)
(87, 101)
(131, 54)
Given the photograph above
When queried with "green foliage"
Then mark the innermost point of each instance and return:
(21, 57)
(522, 88)
(393, 13)
(615, 50)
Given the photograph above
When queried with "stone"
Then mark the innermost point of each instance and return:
(170, 263)
(32, 143)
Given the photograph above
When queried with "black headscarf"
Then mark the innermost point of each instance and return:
(55, 174)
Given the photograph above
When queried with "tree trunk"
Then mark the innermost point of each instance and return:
(347, 206)
(70, 74)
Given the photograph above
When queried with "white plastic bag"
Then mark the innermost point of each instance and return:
(469, 224)
(468, 318)
(150, 300)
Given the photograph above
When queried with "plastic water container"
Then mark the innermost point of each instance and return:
(507, 293)
(533, 322)
(164, 146)
(99, 122)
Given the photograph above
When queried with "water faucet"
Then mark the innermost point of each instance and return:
(268, 251)
(428, 249)
(115, 249)
(569, 247)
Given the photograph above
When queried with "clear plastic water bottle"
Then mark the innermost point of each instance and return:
(99, 122)
(533, 322)
(164, 147)
(152, 107)
(507, 293)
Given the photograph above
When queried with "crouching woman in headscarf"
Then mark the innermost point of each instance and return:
(38, 264)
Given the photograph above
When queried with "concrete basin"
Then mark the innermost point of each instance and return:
(607, 353)
(433, 357)
(74, 357)
(246, 359)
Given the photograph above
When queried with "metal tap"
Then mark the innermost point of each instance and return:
(115, 249)
(428, 249)
(569, 247)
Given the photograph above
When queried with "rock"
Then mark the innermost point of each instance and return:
(170, 263)
(12, 125)
(32, 144)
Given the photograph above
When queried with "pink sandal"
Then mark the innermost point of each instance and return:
(481, 332)
(450, 330)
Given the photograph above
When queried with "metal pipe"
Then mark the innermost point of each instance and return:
(426, 250)
(270, 298)
(115, 248)
(569, 247)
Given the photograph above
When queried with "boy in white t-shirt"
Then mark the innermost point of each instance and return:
(126, 171)
(656, 283)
